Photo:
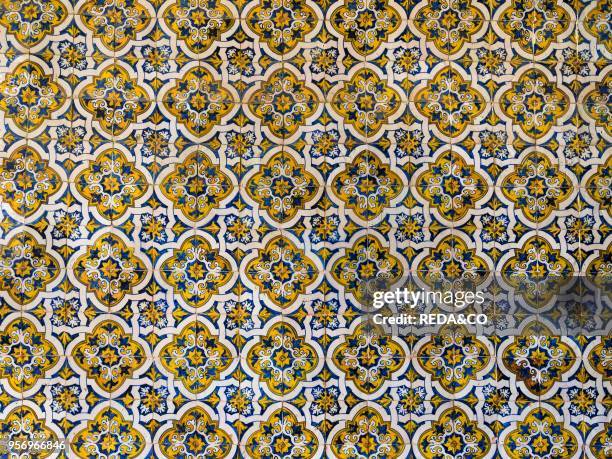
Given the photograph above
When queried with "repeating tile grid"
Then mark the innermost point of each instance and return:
(192, 191)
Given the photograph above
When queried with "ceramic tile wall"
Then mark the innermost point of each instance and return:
(191, 192)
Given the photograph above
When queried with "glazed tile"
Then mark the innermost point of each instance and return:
(192, 195)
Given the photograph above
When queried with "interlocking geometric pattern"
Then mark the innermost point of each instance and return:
(192, 190)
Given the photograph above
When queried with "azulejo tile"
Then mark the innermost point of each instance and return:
(193, 194)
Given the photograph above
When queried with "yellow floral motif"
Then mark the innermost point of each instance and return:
(282, 359)
(367, 259)
(197, 186)
(21, 425)
(368, 359)
(109, 356)
(198, 101)
(452, 186)
(539, 361)
(598, 102)
(109, 269)
(365, 24)
(449, 24)
(115, 22)
(282, 25)
(537, 187)
(540, 436)
(282, 271)
(597, 23)
(282, 187)
(449, 102)
(282, 435)
(195, 435)
(453, 434)
(284, 103)
(30, 21)
(25, 355)
(453, 360)
(199, 23)
(534, 24)
(29, 96)
(366, 102)
(452, 262)
(534, 103)
(27, 182)
(196, 357)
(535, 270)
(367, 185)
(108, 435)
(26, 268)
(111, 184)
(114, 99)
(368, 435)
(196, 271)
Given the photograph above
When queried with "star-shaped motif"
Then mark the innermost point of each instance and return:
(29, 96)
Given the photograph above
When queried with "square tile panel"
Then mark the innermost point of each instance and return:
(195, 197)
